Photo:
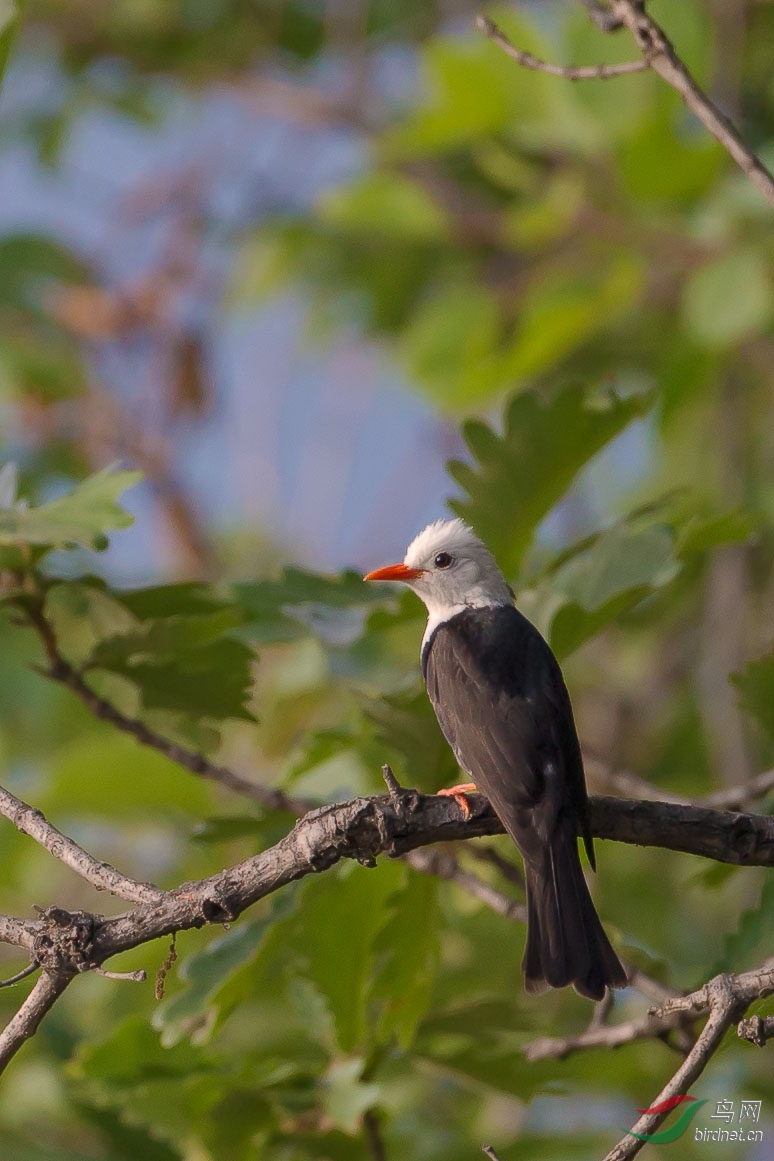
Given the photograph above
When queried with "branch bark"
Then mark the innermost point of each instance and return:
(725, 998)
(101, 875)
(658, 54)
(601, 72)
(26, 1022)
(65, 944)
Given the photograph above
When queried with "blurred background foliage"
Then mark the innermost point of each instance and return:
(359, 228)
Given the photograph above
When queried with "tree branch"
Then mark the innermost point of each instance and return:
(725, 998)
(25, 1023)
(601, 72)
(756, 1029)
(602, 1036)
(738, 797)
(660, 54)
(19, 932)
(65, 944)
(60, 670)
(101, 875)
(366, 827)
(432, 861)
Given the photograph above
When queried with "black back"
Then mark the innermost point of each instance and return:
(501, 701)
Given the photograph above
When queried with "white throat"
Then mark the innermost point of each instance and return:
(438, 613)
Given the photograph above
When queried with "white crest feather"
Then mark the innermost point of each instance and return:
(472, 578)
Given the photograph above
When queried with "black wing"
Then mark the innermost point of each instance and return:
(502, 704)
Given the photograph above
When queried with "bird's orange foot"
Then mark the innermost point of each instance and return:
(458, 794)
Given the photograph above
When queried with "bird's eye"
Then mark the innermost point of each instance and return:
(442, 560)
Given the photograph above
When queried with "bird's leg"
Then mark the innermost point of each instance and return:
(458, 794)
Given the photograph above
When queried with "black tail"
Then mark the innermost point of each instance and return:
(566, 943)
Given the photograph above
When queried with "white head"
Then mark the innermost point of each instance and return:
(450, 569)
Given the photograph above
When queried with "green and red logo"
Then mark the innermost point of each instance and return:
(681, 1124)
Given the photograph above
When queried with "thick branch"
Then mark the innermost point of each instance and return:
(756, 1029)
(394, 824)
(101, 875)
(367, 827)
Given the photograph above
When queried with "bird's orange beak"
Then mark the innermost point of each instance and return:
(394, 572)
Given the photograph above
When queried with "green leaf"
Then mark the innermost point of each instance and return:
(205, 973)
(406, 734)
(564, 311)
(230, 970)
(164, 639)
(10, 14)
(519, 476)
(341, 918)
(390, 203)
(318, 747)
(755, 686)
(479, 1038)
(81, 517)
(621, 567)
(471, 92)
(753, 931)
(30, 263)
(407, 951)
(301, 602)
(700, 534)
(186, 664)
(728, 299)
(451, 343)
(345, 1095)
(212, 682)
(106, 774)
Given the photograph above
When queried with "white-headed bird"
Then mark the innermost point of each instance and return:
(500, 699)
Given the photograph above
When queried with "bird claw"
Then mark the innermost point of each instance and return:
(459, 793)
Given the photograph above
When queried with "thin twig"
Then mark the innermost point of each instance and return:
(509, 871)
(739, 797)
(25, 1023)
(136, 977)
(625, 782)
(431, 861)
(373, 1135)
(101, 875)
(631, 785)
(22, 975)
(61, 671)
(660, 54)
(601, 72)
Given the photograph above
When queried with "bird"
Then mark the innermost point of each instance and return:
(503, 707)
